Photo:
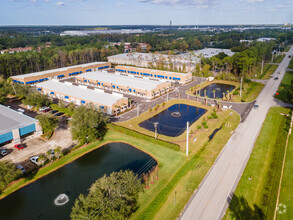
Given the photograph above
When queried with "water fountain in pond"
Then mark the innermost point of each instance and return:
(176, 114)
(62, 199)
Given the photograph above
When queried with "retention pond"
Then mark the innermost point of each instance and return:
(217, 88)
(172, 121)
(38, 200)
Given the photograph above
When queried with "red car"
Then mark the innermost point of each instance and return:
(19, 146)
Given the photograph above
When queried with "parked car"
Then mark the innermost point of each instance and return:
(276, 78)
(53, 111)
(47, 110)
(59, 114)
(21, 168)
(51, 153)
(256, 106)
(35, 160)
(44, 108)
(3, 152)
(19, 146)
(20, 110)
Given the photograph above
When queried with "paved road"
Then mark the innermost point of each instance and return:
(211, 199)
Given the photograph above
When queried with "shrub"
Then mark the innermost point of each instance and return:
(210, 117)
(199, 127)
(235, 92)
(150, 110)
(205, 126)
(203, 123)
(214, 115)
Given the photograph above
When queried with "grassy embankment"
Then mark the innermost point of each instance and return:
(278, 59)
(176, 171)
(291, 64)
(256, 193)
(250, 90)
(284, 87)
(268, 70)
(287, 185)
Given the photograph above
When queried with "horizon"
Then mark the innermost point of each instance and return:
(137, 12)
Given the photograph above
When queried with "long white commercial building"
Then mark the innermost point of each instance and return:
(82, 95)
(129, 84)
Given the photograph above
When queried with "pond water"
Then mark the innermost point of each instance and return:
(36, 201)
(172, 121)
(219, 90)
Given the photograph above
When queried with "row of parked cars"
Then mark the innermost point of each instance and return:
(48, 109)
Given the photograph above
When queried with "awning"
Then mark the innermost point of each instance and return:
(52, 93)
(39, 89)
(82, 101)
(66, 97)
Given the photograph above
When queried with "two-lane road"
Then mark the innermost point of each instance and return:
(211, 199)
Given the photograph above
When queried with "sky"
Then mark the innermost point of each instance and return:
(145, 12)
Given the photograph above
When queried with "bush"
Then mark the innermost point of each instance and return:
(210, 117)
(203, 123)
(205, 126)
(214, 115)
(198, 127)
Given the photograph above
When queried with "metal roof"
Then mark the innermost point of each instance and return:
(11, 119)
(55, 70)
(117, 79)
(81, 92)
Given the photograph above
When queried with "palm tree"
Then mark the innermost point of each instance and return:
(116, 108)
(130, 103)
(214, 92)
(58, 152)
(227, 92)
(42, 159)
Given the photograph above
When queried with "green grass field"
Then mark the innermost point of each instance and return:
(278, 59)
(256, 194)
(287, 185)
(284, 87)
(267, 71)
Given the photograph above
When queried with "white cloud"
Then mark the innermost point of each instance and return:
(60, 4)
(255, 1)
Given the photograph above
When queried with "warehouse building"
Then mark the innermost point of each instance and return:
(81, 95)
(127, 84)
(155, 74)
(37, 77)
(15, 125)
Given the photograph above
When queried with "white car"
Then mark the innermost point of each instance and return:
(44, 108)
(35, 160)
(20, 110)
(20, 168)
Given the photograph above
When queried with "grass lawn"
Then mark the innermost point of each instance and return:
(268, 70)
(250, 90)
(287, 184)
(256, 194)
(65, 110)
(278, 59)
(284, 87)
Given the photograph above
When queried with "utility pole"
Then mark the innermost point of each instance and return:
(241, 86)
(156, 126)
(187, 134)
(167, 96)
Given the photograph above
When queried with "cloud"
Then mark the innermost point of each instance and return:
(255, 1)
(194, 3)
(60, 4)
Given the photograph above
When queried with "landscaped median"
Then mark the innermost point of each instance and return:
(256, 194)
(283, 92)
(250, 90)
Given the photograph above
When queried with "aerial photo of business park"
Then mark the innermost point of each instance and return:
(146, 109)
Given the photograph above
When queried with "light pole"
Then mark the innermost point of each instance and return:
(156, 126)
(241, 86)
(187, 134)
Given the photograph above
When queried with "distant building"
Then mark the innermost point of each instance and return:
(155, 74)
(16, 50)
(15, 125)
(59, 73)
(246, 41)
(266, 39)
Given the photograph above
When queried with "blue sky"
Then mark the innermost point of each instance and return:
(152, 12)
